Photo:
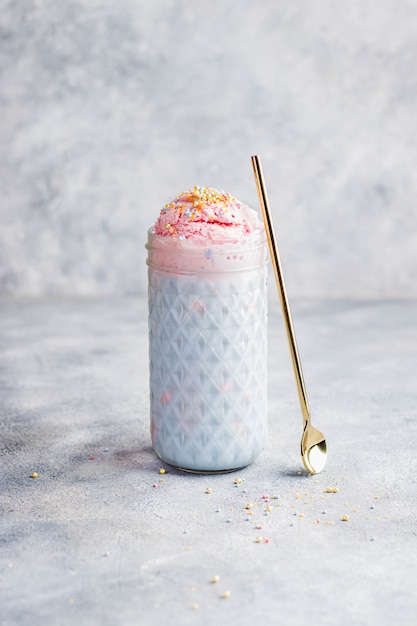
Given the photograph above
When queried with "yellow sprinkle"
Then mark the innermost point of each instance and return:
(249, 505)
(268, 508)
(329, 523)
(162, 471)
(345, 518)
(195, 606)
(238, 481)
(215, 579)
(34, 475)
(258, 540)
(377, 497)
(331, 490)
(71, 601)
(226, 594)
(208, 490)
(167, 226)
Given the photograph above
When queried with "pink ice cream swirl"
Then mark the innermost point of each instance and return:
(206, 214)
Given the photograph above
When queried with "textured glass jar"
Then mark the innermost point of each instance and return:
(208, 351)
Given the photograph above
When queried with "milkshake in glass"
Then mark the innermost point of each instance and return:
(207, 257)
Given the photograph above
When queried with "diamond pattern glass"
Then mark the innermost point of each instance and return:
(208, 351)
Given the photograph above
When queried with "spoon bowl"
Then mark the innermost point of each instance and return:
(313, 449)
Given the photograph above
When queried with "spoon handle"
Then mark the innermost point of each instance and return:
(282, 292)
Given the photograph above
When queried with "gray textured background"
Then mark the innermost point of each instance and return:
(109, 109)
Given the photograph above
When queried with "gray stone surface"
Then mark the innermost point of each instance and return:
(101, 537)
(110, 109)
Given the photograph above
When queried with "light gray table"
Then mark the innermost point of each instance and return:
(101, 537)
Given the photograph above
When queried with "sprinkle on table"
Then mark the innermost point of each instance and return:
(34, 475)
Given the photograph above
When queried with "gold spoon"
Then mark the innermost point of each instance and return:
(313, 443)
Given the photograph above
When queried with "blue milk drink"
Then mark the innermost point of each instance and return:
(207, 294)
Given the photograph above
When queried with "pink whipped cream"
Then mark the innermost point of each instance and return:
(205, 214)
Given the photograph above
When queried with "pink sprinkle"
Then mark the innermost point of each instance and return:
(164, 399)
(154, 485)
(266, 540)
(317, 521)
(258, 527)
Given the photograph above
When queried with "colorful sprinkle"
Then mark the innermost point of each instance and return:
(34, 475)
